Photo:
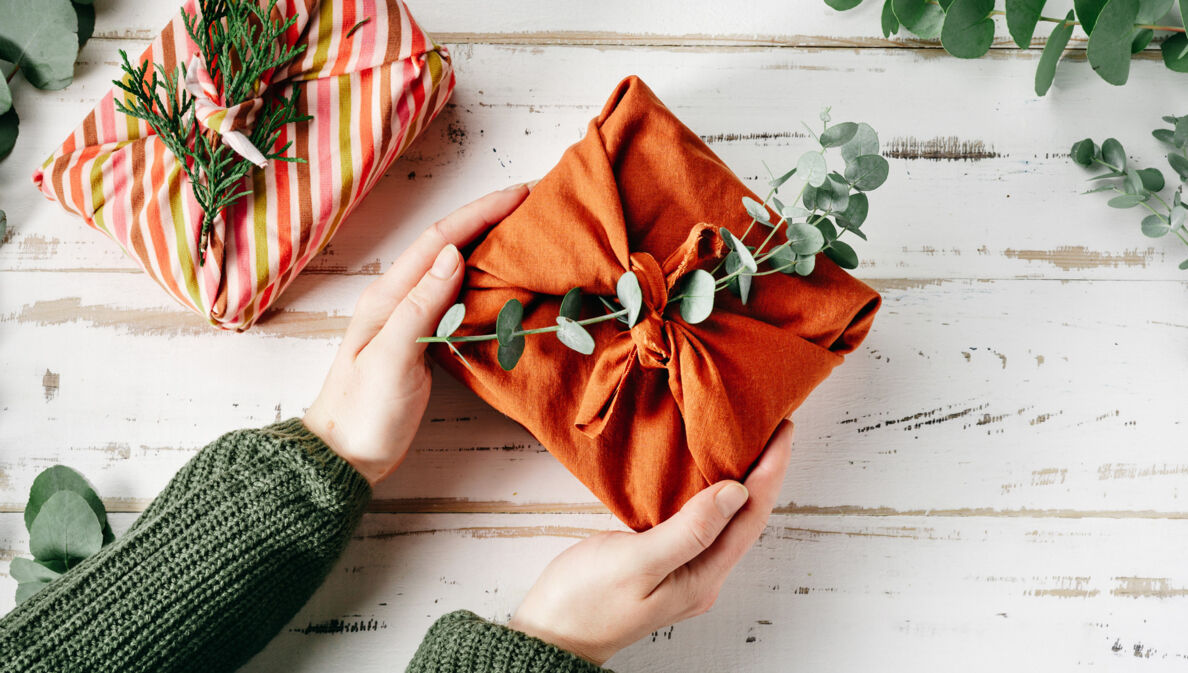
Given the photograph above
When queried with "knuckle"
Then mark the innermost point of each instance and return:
(417, 304)
(702, 532)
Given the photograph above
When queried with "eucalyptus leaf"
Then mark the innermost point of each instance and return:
(26, 590)
(1045, 72)
(792, 212)
(1126, 200)
(86, 20)
(630, 296)
(1141, 39)
(1021, 18)
(41, 36)
(451, 321)
(1087, 12)
(1113, 154)
(922, 18)
(808, 197)
(1151, 11)
(867, 172)
(806, 265)
(1175, 52)
(856, 211)
(828, 231)
(1178, 215)
(3, 226)
(1109, 43)
(775, 183)
(1152, 179)
(740, 249)
(574, 336)
(1132, 183)
(571, 304)
(65, 528)
(805, 239)
(839, 193)
(61, 478)
(1180, 132)
(1083, 152)
(740, 284)
(1179, 164)
(865, 141)
(1184, 265)
(811, 166)
(1165, 135)
(968, 30)
(1154, 226)
(5, 96)
(509, 354)
(838, 134)
(697, 296)
(843, 5)
(9, 123)
(25, 570)
(842, 255)
(890, 23)
(756, 210)
(508, 322)
(783, 259)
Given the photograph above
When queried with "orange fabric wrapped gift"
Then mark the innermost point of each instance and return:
(663, 409)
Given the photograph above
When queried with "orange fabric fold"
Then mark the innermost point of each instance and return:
(665, 408)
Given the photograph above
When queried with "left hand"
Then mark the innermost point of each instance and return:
(371, 404)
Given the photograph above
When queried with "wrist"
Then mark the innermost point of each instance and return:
(591, 653)
(322, 425)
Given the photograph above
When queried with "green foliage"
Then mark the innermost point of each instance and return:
(806, 224)
(1134, 187)
(1116, 29)
(67, 524)
(238, 32)
(41, 39)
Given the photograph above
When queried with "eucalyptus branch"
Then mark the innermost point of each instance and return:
(1140, 186)
(826, 206)
(241, 46)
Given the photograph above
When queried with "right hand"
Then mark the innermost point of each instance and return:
(615, 588)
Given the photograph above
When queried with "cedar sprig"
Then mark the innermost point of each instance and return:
(240, 44)
(827, 206)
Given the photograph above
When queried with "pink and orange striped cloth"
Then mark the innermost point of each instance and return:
(372, 81)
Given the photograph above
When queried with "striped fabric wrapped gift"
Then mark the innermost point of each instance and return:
(370, 78)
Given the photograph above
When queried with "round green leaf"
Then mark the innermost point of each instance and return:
(889, 21)
(843, 5)
(1175, 52)
(451, 321)
(867, 172)
(85, 10)
(630, 296)
(922, 18)
(865, 141)
(968, 30)
(1109, 43)
(811, 166)
(24, 570)
(575, 336)
(1132, 183)
(509, 354)
(783, 259)
(571, 304)
(1141, 40)
(755, 209)
(508, 322)
(808, 197)
(1165, 136)
(9, 123)
(827, 229)
(1151, 11)
(1178, 215)
(1152, 179)
(1083, 152)
(697, 296)
(1021, 18)
(856, 211)
(42, 36)
(838, 134)
(1113, 154)
(842, 255)
(806, 265)
(1184, 265)
(1045, 72)
(745, 258)
(1087, 13)
(1179, 164)
(1126, 200)
(1155, 226)
(792, 212)
(804, 238)
(61, 478)
(65, 528)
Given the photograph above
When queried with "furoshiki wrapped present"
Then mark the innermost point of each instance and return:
(662, 409)
(367, 81)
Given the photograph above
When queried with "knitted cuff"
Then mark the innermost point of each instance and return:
(461, 642)
(311, 457)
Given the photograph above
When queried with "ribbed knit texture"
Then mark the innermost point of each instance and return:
(213, 569)
(461, 642)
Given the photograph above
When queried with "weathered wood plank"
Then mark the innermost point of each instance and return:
(826, 592)
(1042, 395)
(979, 187)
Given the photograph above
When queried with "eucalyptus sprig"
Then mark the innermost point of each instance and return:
(1133, 187)
(1116, 29)
(67, 524)
(240, 43)
(827, 205)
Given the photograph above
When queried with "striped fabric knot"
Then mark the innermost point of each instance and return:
(228, 122)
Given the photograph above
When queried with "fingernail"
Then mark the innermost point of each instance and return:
(731, 499)
(446, 263)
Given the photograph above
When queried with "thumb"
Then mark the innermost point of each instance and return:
(689, 532)
(421, 309)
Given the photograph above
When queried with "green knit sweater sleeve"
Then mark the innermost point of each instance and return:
(461, 642)
(209, 573)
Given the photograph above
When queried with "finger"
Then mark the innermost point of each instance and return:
(458, 228)
(419, 312)
(692, 530)
(740, 535)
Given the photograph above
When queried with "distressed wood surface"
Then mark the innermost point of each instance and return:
(994, 480)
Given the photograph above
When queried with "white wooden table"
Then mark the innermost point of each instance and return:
(995, 481)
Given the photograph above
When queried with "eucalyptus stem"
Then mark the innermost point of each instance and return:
(518, 333)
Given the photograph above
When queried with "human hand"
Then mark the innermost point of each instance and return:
(614, 588)
(375, 394)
